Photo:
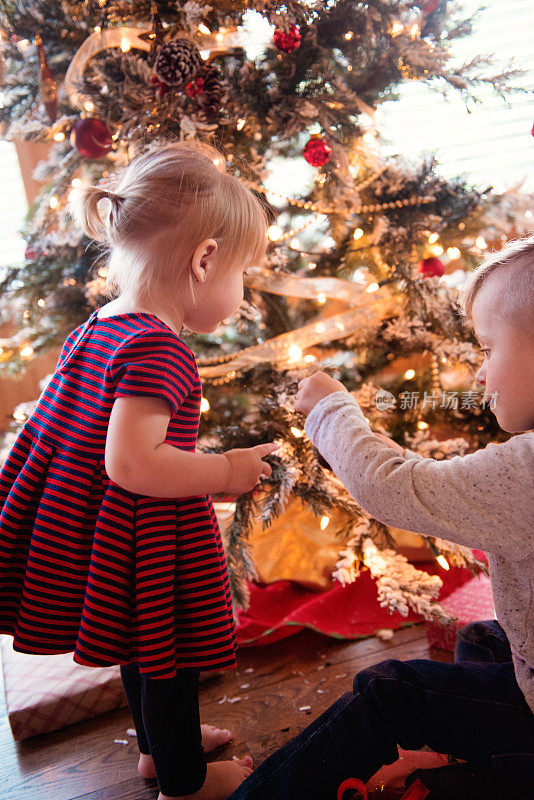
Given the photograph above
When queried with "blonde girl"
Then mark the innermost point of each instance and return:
(109, 544)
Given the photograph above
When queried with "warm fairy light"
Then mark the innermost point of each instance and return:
(297, 433)
(358, 233)
(294, 353)
(353, 169)
(310, 358)
(436, 250)
(368, 138)
(97, 29)
(433, 238)
(241, 124)
(443, 359)
(409, 374)
(415, 31)
(295, 243)
(321, 298)
(125, 44)
(373, 287)
(528, 213)
(349, 35)
(422, 425)
(204, 29)
(26, 352)
(275, 233)
(103, 272)
(73, 195)
(76, 183)
(54, 201)
(41, 302)
(442, 561)
(312, 265)
(396, 29)
(349, 68)
(89, 105)
(59, 136)
(20, 416)
(481, 242)
(205, 54)
(217, 161)
(204, 405)
(324, 522)
(453, 252)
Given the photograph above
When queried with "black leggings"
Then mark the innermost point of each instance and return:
(167, 722)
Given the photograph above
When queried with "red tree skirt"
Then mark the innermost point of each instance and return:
(280, 609)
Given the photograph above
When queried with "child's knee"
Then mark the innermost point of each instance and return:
(372, 678)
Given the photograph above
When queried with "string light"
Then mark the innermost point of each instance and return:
(312, 265)
(89, 105)
(294, 353)
(453, 252)
(481, 243)
(26, 352)
(358, 233)
(59, 136)
(76, 183)
(396, 29)
(436, 250)
(409, 374)
(310, 358)
(433, 238)
(297, 433)
(442, 561)
(125, 44)
(422, 425)
(324, 522)
(54, 201)
(241, 124)
(20, 416)
(321, 298)
(204, 29)
(41, 303)
(373, 287)
(275, 233)
(204, 405)
(349, 35)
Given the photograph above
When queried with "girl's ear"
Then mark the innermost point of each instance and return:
(203, 259)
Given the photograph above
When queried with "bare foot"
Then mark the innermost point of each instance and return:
(212, 738)
(222, 778)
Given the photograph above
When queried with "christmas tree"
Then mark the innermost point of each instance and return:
(352, 281)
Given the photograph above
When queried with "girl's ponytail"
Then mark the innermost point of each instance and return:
(88, 215)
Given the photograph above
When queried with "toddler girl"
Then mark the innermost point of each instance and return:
(109, 545)
(479, 709)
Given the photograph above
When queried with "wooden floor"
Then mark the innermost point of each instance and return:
(260, 703)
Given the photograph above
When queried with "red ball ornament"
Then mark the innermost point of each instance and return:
(317, 152)
(287, 40)
(431, 268)
(428, 6)
(91, 138)
(195, 87)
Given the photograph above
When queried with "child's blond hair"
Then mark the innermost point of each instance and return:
(165, 204)
(514, 265)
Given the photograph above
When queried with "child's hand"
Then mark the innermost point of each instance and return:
(246, 467)
(314, 388)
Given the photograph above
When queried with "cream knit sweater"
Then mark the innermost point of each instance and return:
(483, 500)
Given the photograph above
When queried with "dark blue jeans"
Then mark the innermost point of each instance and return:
(472, 709)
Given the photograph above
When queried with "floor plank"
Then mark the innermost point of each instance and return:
(273, 683)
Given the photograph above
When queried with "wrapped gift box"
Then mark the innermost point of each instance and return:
(471, 602)
(45, 693)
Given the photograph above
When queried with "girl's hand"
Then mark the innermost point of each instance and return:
(246, 467)
(314, 388)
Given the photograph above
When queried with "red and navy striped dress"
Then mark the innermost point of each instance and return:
(86, 566)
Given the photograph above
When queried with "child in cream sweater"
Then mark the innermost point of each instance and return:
(479, 709)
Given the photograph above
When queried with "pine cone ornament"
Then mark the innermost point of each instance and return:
(178, 61)
(213, 92)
